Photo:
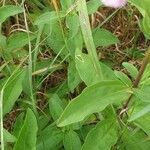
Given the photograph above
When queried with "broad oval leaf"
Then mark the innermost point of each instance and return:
(12, 91)
(73, 76)
(18, 125)
(66, 4)
(55, 39)
(143, 7)
(48, 17)
(104, 135)
(72, 22)
(123, 78)
(87, 71)
(71, 141)
(93, 5)
(142, 93)
(28, 134)
(134, 140)
(103, 37)
(140, 113)
(55, 106)
(22, 37)
(144, 123)
(133, 71)
(8, 137)
(93, 99)
(9, 10)
(50, 138)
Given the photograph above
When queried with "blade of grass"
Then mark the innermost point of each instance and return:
(1, 120)
(43, 79)
(108, 18)
(1, 107)
(30, 65)
(37, 46)
(87, 35)
(56, 7)
(60, 23)
(1, 103)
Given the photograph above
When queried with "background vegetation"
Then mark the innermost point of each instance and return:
(74, 75)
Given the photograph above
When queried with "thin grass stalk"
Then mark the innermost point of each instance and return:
(30, 70)
(1, 104)
(36, 49)
(1, 120)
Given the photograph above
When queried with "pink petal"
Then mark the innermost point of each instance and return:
(114, 3)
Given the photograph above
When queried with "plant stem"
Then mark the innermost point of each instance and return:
(139, 76)
(1, 121)
(142, 69)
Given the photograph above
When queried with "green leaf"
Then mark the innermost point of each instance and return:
(72, 22)
(131, 69)
(18, 124)
(93, 99)
(48, 17)
(75, 43)
(50, 138)
(140, 113)
(28, 134)
(87, 71)
(135, 140)
(108, 73)
(144, 123)
(123, 77)
(71, 141)
(73, 76)
(143, 7)
(103, 37)
(9, 137)
(104, 135)
(43, 122)
(87, 36)
(55, 106)
(146, 76)
(66, 4)
(93, 6)
(22, 37)
(2, 42)
(143, 93)
(55, 39)
(9, 10)
(12, 91)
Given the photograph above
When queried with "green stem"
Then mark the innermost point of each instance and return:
(30, 69)
(87, 35)
(1, 121)
(142, 69)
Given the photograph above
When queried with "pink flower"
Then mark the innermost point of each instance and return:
(114, 3)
